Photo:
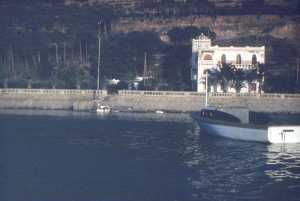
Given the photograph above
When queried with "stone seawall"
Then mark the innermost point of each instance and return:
(194, 101)
(48, 99)
(143, 100)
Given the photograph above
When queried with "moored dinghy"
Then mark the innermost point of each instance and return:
(103, 109)
(159, 112)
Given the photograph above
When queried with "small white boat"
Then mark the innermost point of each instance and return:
(159, 112)
(103, 109)
(225, 125)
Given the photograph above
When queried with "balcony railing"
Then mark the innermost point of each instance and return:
(244, 66)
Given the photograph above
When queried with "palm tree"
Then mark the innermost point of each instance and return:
(261, 69)
(222, 76)
(238, 79)
(213, 77)
(226, 75)
(230, 76)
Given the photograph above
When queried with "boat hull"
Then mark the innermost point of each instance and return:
(284, 134)
(235, 132)
(272, 134)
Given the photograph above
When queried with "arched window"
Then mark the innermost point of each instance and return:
(254, 59)
(207, 57)
(238, 59)
(223, 59)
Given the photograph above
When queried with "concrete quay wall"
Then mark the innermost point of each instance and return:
(191, 101)
(49, 99)
(143, 100)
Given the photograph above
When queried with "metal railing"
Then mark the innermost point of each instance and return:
(145, 93)
(53, 91)
(223, 95)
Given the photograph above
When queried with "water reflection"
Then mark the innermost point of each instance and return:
(133, 157)
(128, 116)
(122, 157)
(221, 169)
(283, 161)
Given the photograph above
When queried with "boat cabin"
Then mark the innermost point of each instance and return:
(217, 115)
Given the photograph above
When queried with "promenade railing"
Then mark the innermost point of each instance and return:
(144, 93)
(223, 95)
(53, 91)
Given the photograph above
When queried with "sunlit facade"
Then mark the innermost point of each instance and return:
(205, 56)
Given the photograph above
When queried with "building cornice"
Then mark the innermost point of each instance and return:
(238, 48)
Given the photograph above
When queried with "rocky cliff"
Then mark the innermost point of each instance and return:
(217, 3)
(226, 27)
(227, 18)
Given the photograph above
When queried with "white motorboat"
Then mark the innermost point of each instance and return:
(223, 124)
(235, 124)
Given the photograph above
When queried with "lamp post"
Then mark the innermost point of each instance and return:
(297, 75)
(99, 55)
(56, 52)
(145, 69)
(206, 89)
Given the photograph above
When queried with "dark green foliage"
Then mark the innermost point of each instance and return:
(230, 76)
(72, 77)
(281, 79)
(186, 34)
(239, 76)
(41, 40)
(30, 33)
(176, 67)
(226, 75)
(123, 54)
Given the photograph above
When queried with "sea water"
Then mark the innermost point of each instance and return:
(69, 156)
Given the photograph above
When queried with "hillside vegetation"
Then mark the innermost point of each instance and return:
(55, 43)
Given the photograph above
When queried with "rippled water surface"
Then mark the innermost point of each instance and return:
(136, 157)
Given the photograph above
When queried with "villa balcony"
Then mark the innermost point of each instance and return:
(246, 66)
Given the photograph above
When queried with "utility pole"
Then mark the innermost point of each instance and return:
(13, 69)
(86, 52)
(145, 68)
(56, 52)
(99, 55)
(64, 52)
(80, 52)
(297, 75)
